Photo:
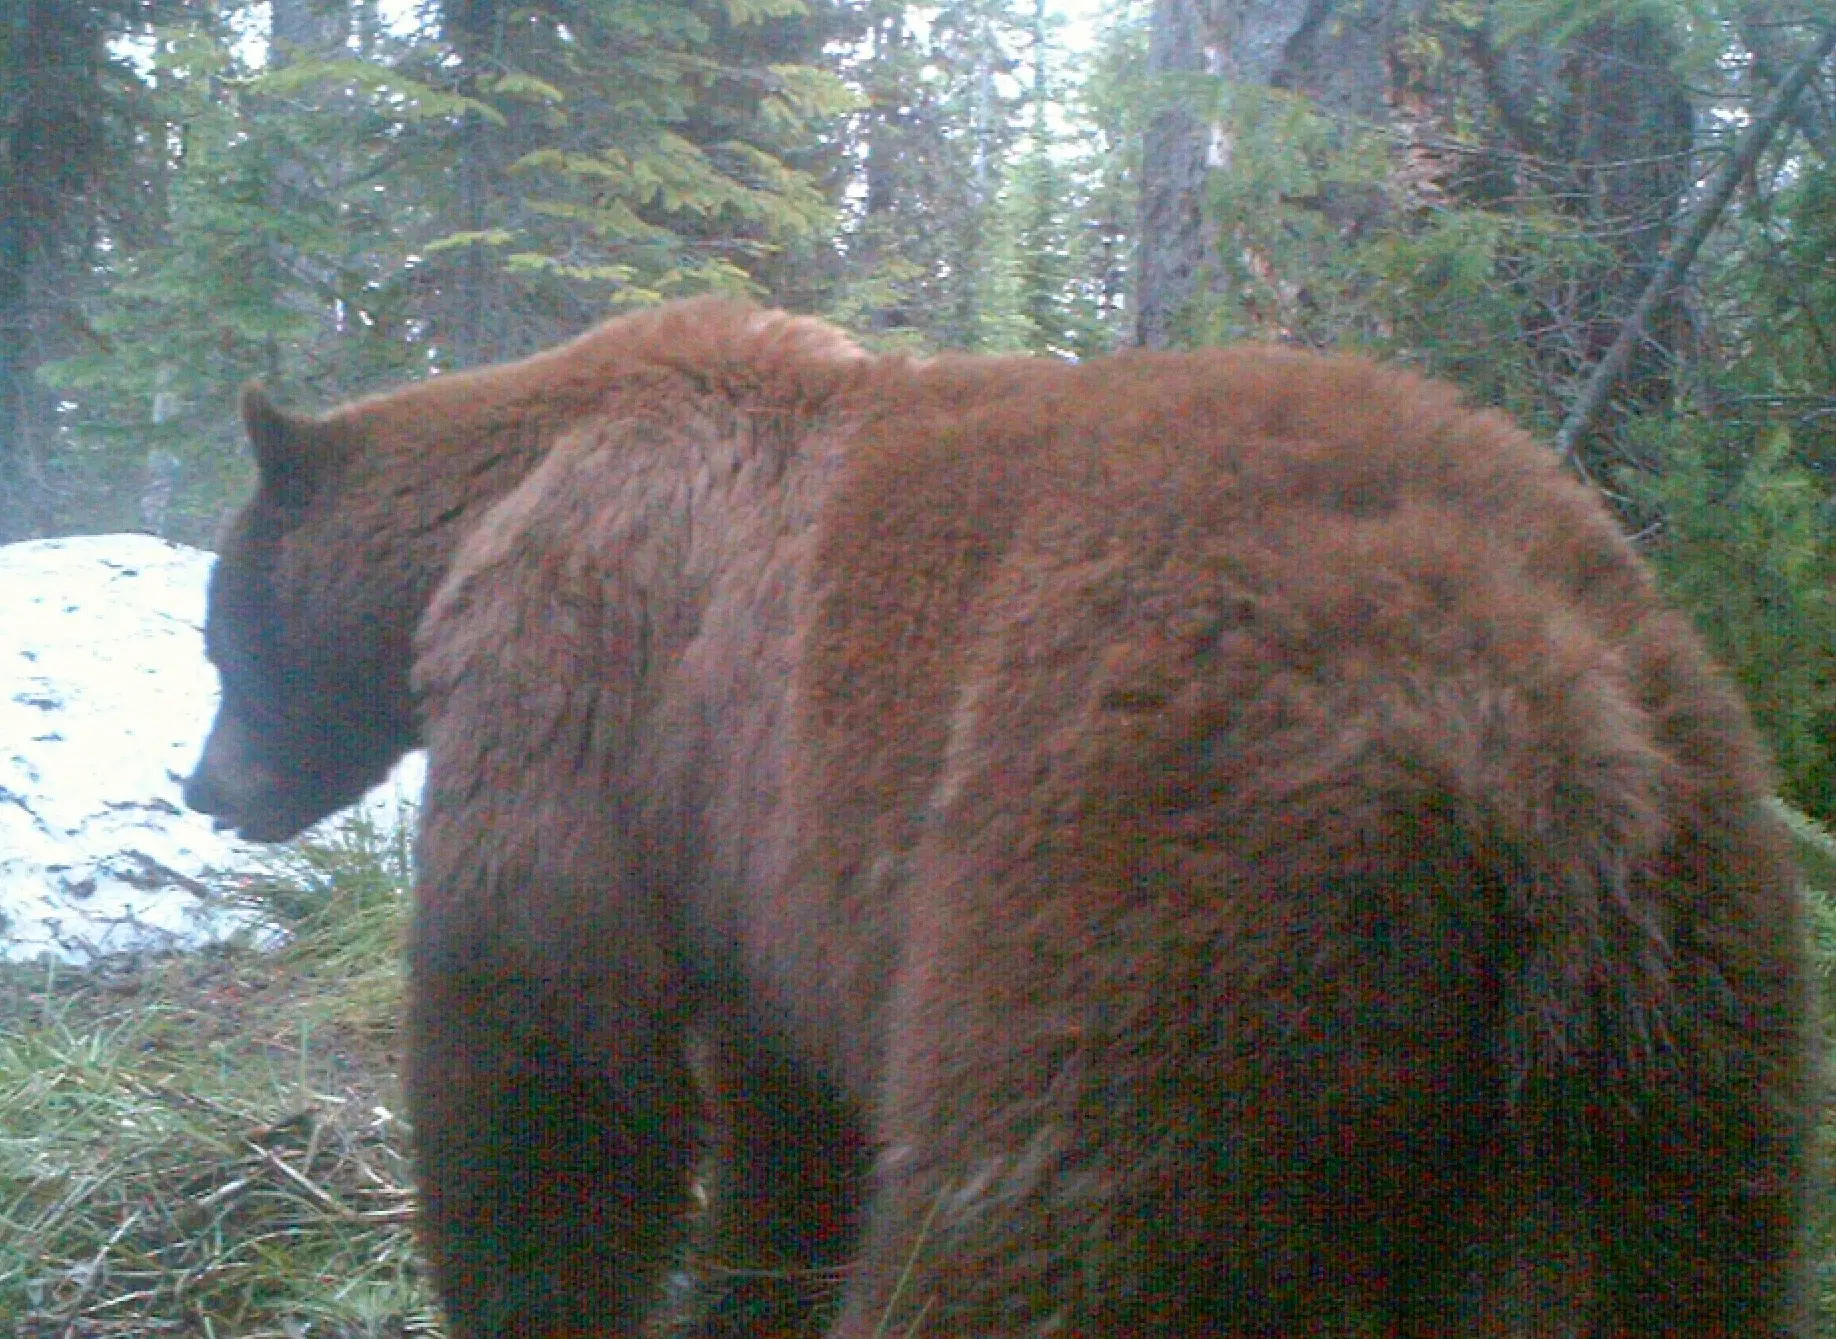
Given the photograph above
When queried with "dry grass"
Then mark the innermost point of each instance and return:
(205, 1144)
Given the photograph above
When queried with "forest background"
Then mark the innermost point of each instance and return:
(338, 196)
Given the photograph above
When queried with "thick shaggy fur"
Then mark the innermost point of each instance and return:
(1217, 844)
(323, 576)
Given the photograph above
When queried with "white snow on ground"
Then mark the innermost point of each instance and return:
(105, 696)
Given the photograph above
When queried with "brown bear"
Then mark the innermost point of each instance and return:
(1225, 843)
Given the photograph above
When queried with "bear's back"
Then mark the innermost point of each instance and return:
(1187, 480)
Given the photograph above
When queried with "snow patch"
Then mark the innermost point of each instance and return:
(105, 697)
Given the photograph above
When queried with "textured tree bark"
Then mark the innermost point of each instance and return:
(1336, 52)
(470, 325)
(1172, 253)
(308, 28)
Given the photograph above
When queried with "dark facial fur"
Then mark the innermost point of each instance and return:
(294, 739)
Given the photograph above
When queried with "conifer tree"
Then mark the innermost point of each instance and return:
(936, 135)
(350, 204)
(57, 134)
(619, 151)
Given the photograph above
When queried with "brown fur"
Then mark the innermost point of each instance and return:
(1225, 843)
(325, 573)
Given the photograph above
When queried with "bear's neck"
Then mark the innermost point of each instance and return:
(435, 457)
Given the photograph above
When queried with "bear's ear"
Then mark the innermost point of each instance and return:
(286, 447)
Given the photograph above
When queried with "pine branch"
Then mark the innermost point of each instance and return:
(1701, 222)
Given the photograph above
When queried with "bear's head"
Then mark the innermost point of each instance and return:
(309, 634)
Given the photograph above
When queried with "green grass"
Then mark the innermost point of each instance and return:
(206, 1144)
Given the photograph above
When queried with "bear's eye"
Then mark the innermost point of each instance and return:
(241, 633)
(250, 668)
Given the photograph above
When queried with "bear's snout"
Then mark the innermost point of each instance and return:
(202, 794)
(234, 789)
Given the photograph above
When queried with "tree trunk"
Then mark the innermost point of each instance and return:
(51, 150)
(1763, 34)
(885, 128)
(1601, 130)
(1172, 257)
(471, 301)
(1632, 129)
(471, 341)
(1338, 53)
(366, 25)
(307, 29)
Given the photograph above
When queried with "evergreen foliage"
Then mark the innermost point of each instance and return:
(1756, 512)
(391, 204)
(917, 243)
